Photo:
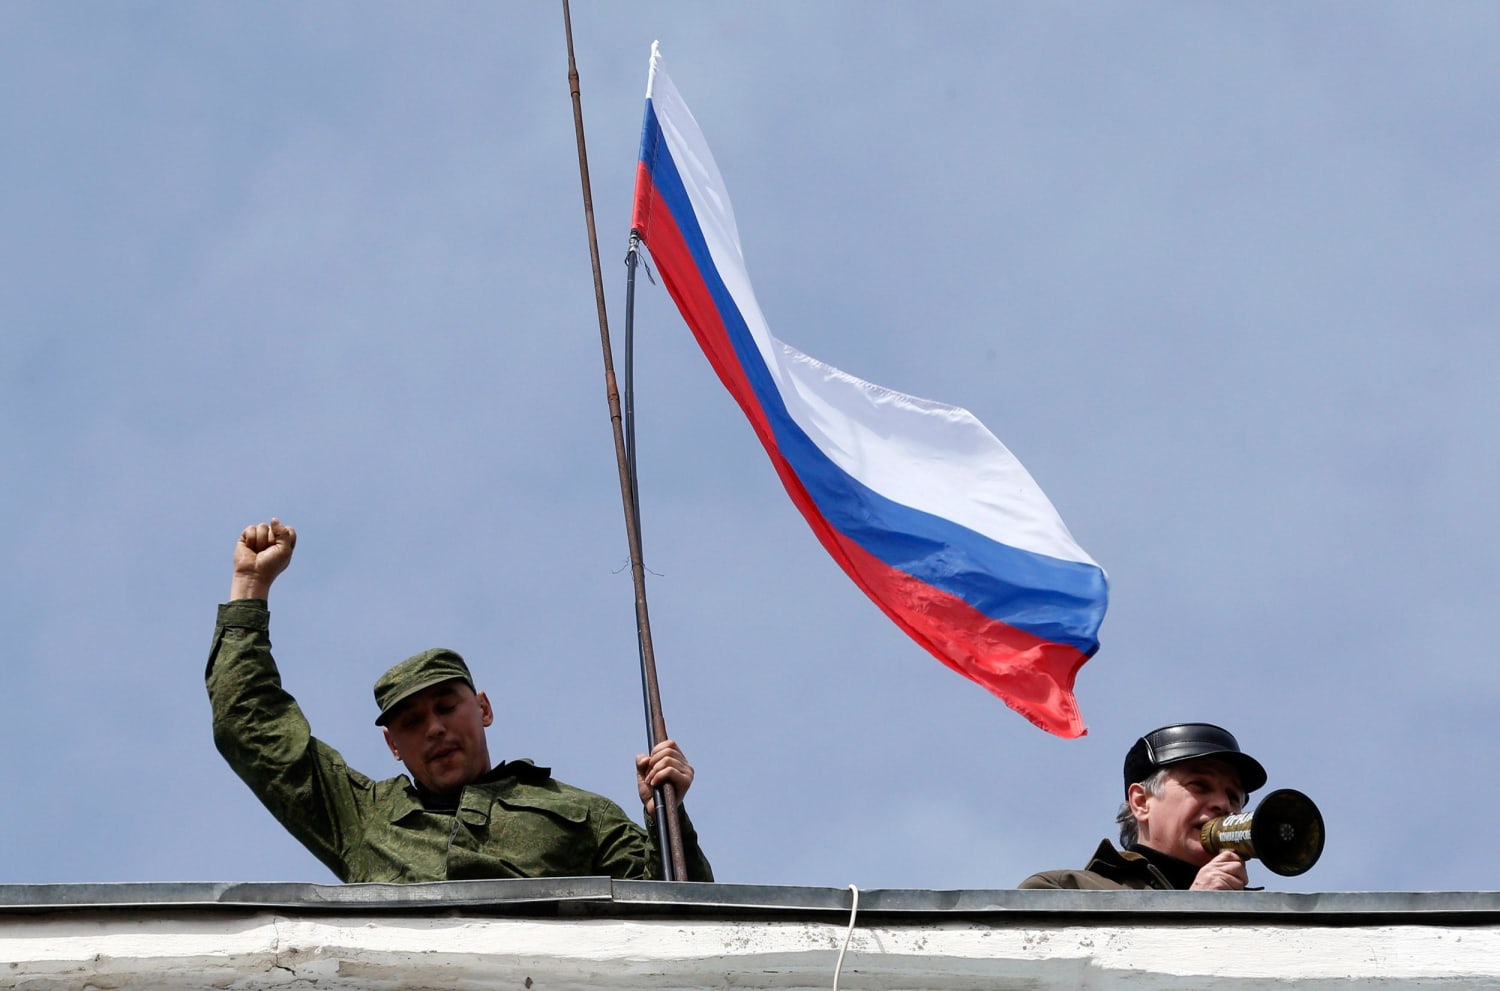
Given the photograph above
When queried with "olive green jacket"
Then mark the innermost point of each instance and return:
(516, 821)
(1110, 869)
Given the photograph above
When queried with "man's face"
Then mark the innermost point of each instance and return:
(1192, 793)
(438, 733)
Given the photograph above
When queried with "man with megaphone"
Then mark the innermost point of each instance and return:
(1177, 779)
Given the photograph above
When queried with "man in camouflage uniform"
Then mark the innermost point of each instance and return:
(457, 816)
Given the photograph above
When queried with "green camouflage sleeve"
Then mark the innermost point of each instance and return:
(261, 731)
(698, 866)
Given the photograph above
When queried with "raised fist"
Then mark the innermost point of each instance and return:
(263, 552)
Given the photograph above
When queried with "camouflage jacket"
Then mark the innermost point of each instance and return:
(516, 821)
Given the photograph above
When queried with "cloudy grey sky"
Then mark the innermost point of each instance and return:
(1221, 275)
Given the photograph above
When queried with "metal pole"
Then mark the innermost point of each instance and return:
(674, 864)
(647, 692)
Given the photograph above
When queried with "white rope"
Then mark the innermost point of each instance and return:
(853, 912)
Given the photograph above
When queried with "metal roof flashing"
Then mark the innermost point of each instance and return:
(603, 896)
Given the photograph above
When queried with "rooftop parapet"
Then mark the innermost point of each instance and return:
(587, 933)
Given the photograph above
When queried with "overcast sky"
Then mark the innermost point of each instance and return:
(1221, 275)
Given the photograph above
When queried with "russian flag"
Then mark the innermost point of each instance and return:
(917, 501)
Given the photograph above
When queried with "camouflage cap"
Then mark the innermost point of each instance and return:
(431, 667)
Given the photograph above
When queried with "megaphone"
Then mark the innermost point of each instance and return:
(1285, 831)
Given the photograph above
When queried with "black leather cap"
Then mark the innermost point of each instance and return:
(1185, 741)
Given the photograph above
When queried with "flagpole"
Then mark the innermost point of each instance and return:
(649, 695)
(674, 863)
